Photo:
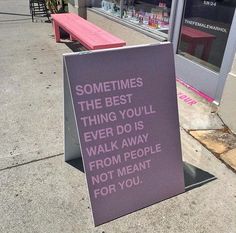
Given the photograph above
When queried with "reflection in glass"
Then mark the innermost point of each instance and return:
(204, 31)
(152, 15)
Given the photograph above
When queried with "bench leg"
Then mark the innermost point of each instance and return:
(72, 38)
(56, 31)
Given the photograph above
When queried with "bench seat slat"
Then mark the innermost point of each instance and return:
(87, 33)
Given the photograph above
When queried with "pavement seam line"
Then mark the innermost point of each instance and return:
(228, 128)
(32, 161)
(189, 130)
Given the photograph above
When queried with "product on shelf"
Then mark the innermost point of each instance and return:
(150, 18)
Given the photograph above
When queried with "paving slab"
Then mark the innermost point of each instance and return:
(198, 155)
(230, 158)
(32, 107)
(51, 196)
(31, 88)
(28, 38)
(195, 112)
(217, 141)
(11, 7)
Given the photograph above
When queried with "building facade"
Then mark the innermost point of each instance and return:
(227, 108)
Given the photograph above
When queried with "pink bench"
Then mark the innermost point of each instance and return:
(88, 34)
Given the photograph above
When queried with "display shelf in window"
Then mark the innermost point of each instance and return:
(152, 18)
(112, 7)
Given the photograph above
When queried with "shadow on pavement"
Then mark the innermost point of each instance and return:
(194, 177)
(14, 20)
(75, 46)
(77, 163)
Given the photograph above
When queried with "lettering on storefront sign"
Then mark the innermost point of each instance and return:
(128, 126)
(210, 3)
(188, 100)
(205, 25)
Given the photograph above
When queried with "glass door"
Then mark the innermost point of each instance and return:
(205, 43)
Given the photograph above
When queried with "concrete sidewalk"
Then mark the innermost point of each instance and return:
(42, 194)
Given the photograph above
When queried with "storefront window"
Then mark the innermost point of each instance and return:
(205, 29)
(152, 15)
(112, 7)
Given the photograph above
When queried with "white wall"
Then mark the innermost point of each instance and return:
(79, 8)
(227, 109)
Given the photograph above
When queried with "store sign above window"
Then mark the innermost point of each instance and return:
(121, 111)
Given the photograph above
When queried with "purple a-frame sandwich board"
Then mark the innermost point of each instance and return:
(121, 110)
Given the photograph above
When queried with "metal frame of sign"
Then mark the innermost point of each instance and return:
(71, 138)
